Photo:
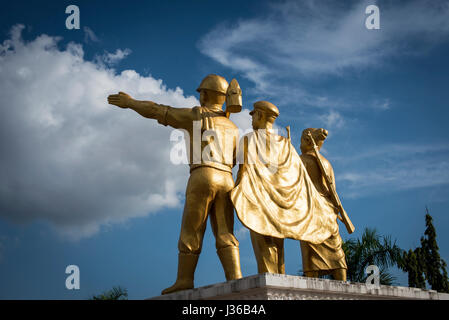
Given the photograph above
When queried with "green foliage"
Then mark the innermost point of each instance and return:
(424, 263)
(371, 249)
(435, 271)
(116, 293)
(412, 264)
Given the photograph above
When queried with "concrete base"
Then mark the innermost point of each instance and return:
(269, 286)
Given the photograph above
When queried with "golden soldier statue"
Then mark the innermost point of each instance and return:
(274, 196)
(211, 157)
(269, 251)
(327, 257)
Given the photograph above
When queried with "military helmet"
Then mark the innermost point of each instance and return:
(266, 107)
(215, 83)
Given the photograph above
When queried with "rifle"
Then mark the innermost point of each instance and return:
(343, 215)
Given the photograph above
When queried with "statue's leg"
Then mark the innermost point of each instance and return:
(198, 200)
(311, 274)
(222, 222)
(339, 274)
(268, 252)
(307, 263)
(186, 270)
(280, 255)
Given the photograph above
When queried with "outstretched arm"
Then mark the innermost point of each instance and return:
(166, 115)
(147, 109)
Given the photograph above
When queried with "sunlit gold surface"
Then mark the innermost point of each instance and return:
(284, 203)
(278, 194)
(330, 182)
(213, 82)
(328, 256)
(234, 98)
(269, 252)
(210, 181)
(274, 196)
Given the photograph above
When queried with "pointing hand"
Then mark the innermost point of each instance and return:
(121, 100)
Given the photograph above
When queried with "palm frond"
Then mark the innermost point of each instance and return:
(116, 293)
(371, 249)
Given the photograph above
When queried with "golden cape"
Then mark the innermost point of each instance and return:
(282, 203)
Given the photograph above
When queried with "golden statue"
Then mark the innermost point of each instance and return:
(327, 257)
(274, 196)
(212, 150)
(269, 251)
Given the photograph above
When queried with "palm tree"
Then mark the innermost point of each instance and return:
(116, 293)
(371, 249)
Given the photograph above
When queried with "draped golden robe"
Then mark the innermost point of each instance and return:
(275, 195)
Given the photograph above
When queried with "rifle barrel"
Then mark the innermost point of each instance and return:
(344, 216)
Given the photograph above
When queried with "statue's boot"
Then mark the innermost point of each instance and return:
(230, 259)
(186, 270)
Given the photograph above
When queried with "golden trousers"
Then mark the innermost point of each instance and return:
(207, 194)
(269, 252)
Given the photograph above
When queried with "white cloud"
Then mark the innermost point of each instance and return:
(242, 120)
(391, 168)
(89, 35)
(242, 233)
(381, 104)
(332, 120)
(299, 41)
(114, 58)
(385, 105)
(68, 157)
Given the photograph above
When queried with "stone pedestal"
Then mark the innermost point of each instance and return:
(269, 286)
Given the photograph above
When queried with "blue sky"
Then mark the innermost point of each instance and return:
(88, 184)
